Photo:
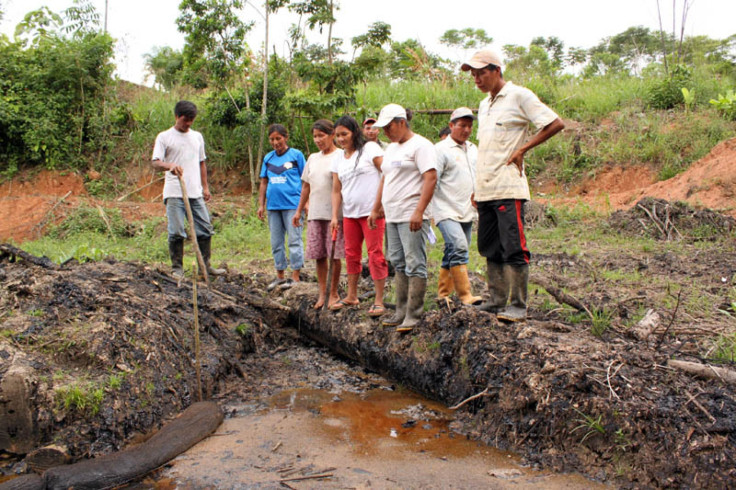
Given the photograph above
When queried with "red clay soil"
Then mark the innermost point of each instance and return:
(26, 203)
(708, 183)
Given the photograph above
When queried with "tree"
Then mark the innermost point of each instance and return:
(465, 39)
(379, 33)
(528, 63)
(53, 95)
(576, 56)
(636, 47)
(555, 49)
(215, 49)
(165, 65)
(317, 14)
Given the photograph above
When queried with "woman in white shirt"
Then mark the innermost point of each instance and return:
(356, 178)
(317, 197)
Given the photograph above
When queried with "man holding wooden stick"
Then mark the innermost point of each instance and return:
(180, 152)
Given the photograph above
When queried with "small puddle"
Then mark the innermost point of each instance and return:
(376, 439)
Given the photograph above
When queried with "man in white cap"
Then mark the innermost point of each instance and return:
(452, 208)
(404, 194)
(504, 120)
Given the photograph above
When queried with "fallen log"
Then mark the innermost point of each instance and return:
(12, 253)
(558, 294)
(704, 370)
(47, 457)
(194, 424)
(25, 482)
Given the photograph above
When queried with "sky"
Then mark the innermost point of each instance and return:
(140, 25)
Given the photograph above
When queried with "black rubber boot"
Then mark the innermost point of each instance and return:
(401, 285)
(498, 288)
(205, 248)
(176, 252)
(415, 304)
(518, 276)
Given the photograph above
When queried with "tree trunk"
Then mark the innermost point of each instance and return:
(265, 101)
(329, 36)
(194, 424)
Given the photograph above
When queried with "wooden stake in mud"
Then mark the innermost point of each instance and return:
(197, 363)
(192, 233)
(329, 269)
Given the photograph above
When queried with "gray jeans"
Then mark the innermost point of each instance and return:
(407, 250)
(177, 215)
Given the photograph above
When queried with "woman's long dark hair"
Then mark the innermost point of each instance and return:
(349, 123)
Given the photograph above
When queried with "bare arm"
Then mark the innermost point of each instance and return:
(429, 181)
(262, 198)
(306, 189)
(205, 185)
(336, 200)
(378, 161)
(168, 166)
(377, 211)
(517, 158)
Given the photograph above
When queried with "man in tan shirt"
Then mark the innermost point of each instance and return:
(505, 118)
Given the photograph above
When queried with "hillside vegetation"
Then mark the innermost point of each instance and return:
(640, 97)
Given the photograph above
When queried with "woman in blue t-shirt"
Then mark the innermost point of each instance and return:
(281, 187)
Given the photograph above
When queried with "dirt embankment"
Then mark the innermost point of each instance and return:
(708, 183)
(93, 354)
(102, 352)
(607, 407)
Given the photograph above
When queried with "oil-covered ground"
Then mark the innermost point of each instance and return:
(96, 356)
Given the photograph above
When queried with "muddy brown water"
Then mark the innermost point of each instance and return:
(381, 438)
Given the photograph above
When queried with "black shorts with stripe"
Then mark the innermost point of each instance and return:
(501, 236)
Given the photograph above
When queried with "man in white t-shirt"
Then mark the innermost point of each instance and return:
(180, 152)
(452, 208)
(504, 120)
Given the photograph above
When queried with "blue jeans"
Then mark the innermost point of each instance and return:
(407, 250)
(279, 222)
(176, 213)
(457, 242)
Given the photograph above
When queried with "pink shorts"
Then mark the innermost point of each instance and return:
(319, 240)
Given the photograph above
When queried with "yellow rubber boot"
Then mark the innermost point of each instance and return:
(446, 286)
(462, 285)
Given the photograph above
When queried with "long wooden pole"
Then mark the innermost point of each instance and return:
(197, 362)
(192, 233)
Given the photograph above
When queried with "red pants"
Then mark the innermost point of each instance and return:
(356, 230)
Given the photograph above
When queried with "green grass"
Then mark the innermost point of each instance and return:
(84, 398)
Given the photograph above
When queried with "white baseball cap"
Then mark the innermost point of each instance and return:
(481, 59)
(461, 112)
(388, 114)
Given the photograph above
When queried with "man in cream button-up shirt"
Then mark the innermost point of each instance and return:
(504, 120)
(452, 207)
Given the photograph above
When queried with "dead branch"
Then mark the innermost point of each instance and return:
(467, 400)
(48, 214)
(562, 297)
(691, 398)
(310, 477)
(122, 198)
(12, 253)
(704, 370)
(608, 380)
(104, 218)
(672, 320)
